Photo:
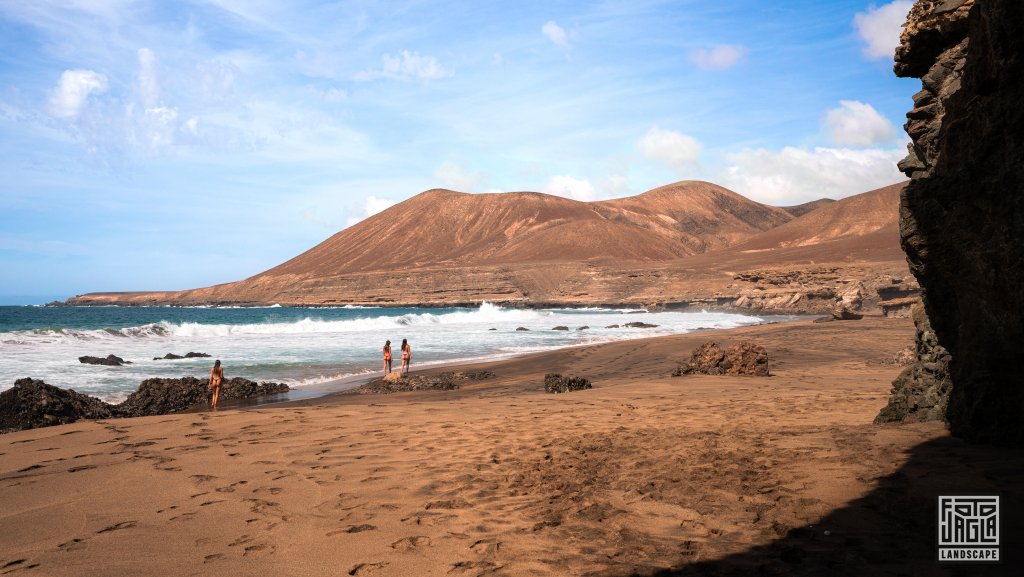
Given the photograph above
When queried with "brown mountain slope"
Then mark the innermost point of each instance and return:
(802, 209)
(443, 227)
(700, 215)
(869, 218)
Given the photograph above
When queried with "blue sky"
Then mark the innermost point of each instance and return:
(170, 145)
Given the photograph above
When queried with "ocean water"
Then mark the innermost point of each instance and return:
(313, 348)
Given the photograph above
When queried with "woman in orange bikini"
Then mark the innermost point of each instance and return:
(216, 378)
(387, 358)
(406, 356)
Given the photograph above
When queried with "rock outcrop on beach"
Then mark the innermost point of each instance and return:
(162, 396)
(398, 383)
(31, 404)
(109, 360)
(921, 391)
(677, 247)
(556, 383)
(962, 215)
(740, 359)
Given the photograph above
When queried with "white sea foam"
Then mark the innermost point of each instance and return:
(317, 348)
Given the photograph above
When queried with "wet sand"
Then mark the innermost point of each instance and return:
(643, 474)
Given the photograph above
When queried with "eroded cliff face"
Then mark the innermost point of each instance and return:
(962, 215)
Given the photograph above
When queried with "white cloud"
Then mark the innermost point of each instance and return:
(406, 65)
(858, 124)
(555, 34)
(795, 175)
(570, 187)
(718, 57)
(880, 28)
(72, 91)
(372, 206)
(149, 84)
(678, 151)
(455, 176)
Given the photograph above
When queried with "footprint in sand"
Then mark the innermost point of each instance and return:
(410, 543)
(366, 568)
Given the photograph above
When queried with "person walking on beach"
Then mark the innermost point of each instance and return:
(406, 356)
(216, 378)
(387, 358)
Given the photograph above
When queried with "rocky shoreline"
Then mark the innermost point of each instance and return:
(32, 403)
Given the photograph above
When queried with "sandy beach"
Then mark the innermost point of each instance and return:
(643, 474)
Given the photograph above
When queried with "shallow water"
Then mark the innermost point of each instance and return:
(304, 347)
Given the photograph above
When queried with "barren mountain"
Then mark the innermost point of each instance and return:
(443, 227)
(688, 242)
(802, 209)
(865, 219)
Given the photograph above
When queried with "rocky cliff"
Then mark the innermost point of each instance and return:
(962, 215)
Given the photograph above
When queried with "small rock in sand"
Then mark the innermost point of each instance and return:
(744, 358)
(556, 383)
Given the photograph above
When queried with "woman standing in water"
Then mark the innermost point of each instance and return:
(387, 358)
(216, 378)
(406, 356)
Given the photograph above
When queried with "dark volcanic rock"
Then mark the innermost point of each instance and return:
(640, 325)
(441, 382)
(109, 360)
(612, 327)
(522, 329)
(583, 328)
(921, 391)
(188, 355)
(556, 383)
(162, 396)
(560, 328)
(740, 359)
(32, 404)
(962, 215)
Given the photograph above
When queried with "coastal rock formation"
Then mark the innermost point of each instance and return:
(109, 360)
(560, 328)
(962, 215)
(556, 383)
(640, 325)
(162, 396)
(188, 355)
(744, 358)
(397, 383)
(31, 404)
(921, 391)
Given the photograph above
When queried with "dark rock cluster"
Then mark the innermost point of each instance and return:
(962, 215)
(109, 360)
(640, 325)
(188, 355)
(744, 358)
(32, 403)
(441, 382)
(556, 383)
(921, 391)
(162, 396)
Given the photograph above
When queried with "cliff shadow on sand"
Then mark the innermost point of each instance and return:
(893, 530)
